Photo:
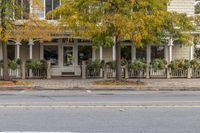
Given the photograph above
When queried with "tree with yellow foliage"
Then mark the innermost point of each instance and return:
(110, 22)
(18, 29)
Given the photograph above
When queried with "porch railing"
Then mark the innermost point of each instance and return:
(26, 73)
(158, 73)
(181, 73)
(195, 73)
(94, 73)
(37, 73)
(12, 73)
(111, 73)
(136, 74)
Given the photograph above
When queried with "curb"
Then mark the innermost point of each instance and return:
(38, 88)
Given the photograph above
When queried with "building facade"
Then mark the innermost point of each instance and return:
(66, 54)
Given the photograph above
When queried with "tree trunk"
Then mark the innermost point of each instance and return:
(118, 61)
(5, 62)
(4, 40)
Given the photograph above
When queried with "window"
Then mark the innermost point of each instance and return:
(11, 52)
(50, 5)
(157, 52)
(141, 53)
(126, 53)
(51, 53)
(84, 53)
(24, 9)
(39, 10)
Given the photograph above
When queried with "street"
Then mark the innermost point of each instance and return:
(100, 111)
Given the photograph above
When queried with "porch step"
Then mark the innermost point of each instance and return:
(68, 74)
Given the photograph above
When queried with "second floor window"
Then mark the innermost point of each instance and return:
(38, 10)
(23, 9)
(51, 5)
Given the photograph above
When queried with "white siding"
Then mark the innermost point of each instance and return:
(182, 6)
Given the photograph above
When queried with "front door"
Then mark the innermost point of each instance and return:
(68, 56)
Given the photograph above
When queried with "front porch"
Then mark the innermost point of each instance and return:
(66, 55)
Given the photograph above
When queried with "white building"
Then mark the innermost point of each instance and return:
(67, 53)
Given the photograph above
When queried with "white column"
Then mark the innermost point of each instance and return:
(170, 49)
(31, 43)
(148, 53)
(41, 51)
(31, 51)
(133, 53)
(18, 50)
(75, 54)
(101, 53)
(113, 52)
(166, 53)
(93, 53)
(191, 52)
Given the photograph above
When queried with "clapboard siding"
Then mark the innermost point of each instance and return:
(182, 6)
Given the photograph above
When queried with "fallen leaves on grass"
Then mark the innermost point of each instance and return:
(14, 83)
(119, 83)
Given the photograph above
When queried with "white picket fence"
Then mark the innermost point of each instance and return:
(12, 73)
(196, 73)
(136, 74)
(36, 74)
(111, 73)
(179, 73)
(158, 73)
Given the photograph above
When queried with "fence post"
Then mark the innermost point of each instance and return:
(126, 72)
(168, 73)
(105, 72)
(48, 69)
(189, 74)
(147, 72)
(23, 69)
(83, 70)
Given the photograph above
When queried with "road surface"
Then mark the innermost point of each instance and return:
(100, 111)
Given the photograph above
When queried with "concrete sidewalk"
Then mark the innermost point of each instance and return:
(79, 84)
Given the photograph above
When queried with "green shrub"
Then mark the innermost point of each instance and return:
(195, 63)
(179, 64)
(158, 64)
(113, 64)
(138, 65)
(94, 65)
(34, 64)
(13, 64)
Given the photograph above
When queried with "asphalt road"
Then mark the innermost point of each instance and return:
(100, 111)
